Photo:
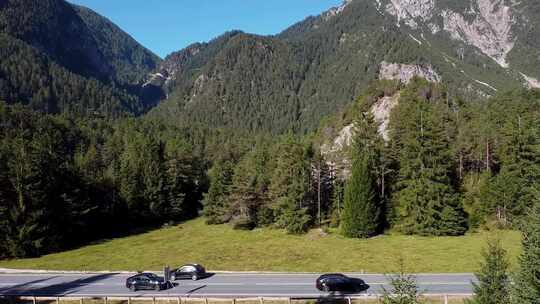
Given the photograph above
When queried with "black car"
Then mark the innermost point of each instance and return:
(188, 271)
(339, 282)
(148, 281)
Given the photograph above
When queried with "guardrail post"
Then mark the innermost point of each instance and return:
(106, 300)
(445, 299)
(153, 300)
(178, 300)
(57, 300)
(81, 300)
(34, 301)
(129, 300)
(349, 300)
(261, 300)
(233, 301)
(290, 301)
(205, 300)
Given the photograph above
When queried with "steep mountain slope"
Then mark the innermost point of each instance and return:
(316, 67)
(131, 62)
(60, 57)
(506, 31)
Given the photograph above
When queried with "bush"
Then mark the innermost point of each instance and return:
(265, 217)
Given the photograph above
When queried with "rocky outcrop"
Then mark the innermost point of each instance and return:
(175, 62)
(381, 111)
(531, 82)
(343, 140)
(411, 11)
(406, 72)
(490, 30)
(336, 154)
(336, 10)
(486, 24)
(335, 150)
(156, 79)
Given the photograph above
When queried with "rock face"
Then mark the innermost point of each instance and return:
(531, 82)
(405, 72)
(336, 150)
(343, 140)
(381, 111)
(336, 10)
(486, 24)
(410, 11)
(490, 30)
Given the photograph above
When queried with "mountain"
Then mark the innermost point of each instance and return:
(57, 56)
(318, 66)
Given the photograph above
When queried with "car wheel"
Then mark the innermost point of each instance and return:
(194, 277)
(157, 287)
(132, 288)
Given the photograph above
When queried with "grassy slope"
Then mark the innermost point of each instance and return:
(221, 248)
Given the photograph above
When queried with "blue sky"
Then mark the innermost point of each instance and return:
(164, 26)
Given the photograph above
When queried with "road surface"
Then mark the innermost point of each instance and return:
(236, 285)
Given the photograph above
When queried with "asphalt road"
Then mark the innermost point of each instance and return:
(218, 285)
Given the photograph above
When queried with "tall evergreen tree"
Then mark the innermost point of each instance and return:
(526, 287)
(361, 210)
(494, 283)
(289, 186)
(511, 191)
(249, 185)
(426, 200)
(216, 201)
(369, 140)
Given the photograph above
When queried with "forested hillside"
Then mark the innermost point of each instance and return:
(65, 180)
(57, 57)
(447, 167)
(315, 68)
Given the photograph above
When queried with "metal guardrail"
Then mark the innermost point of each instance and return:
(445, 298)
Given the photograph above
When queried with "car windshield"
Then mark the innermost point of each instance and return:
(151, 275)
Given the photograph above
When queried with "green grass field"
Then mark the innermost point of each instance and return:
(222, 248)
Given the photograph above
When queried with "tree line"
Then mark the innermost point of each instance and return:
(448, 166)
(67, 180)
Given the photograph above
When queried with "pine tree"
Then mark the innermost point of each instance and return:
(370, 142)
(361, 211)
(494, 283)
(426, 201)
(404, 289)
(511, 191)
(289, 186)
(526, 287)
(216, 201)
(337, 203)
(250, 185)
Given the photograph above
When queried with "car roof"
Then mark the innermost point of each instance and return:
(332, 275)
(144, 274)
(192, 264)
